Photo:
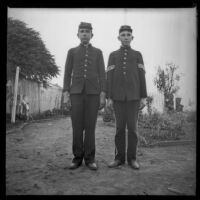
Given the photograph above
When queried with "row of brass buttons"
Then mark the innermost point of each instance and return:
(124, 67)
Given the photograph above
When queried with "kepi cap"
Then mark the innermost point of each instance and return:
(125, 28)
(85, 25)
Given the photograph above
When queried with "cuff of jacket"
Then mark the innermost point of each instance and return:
(108, 96)
(66, 90)
(143, 92)
(144, 95)
(103, 88)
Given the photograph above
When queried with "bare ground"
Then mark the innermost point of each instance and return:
(38, 156)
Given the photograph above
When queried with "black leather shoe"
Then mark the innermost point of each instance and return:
(115, 163)
(92, 166)
(74, 165)
(134, 164)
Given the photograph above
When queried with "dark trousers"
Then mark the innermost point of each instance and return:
(126, 113)
(84, 115)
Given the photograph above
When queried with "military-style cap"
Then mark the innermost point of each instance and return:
(85, 25)
(125, 28)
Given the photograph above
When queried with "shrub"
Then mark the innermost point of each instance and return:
(191, 116)
(158, 126)
(149, 101)
(108, 115)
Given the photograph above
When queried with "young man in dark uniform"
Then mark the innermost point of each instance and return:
(84, 93)
(126, 92)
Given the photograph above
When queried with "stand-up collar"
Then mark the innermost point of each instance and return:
(125, 47)
(83, 45)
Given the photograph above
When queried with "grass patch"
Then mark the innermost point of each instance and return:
(165, 126)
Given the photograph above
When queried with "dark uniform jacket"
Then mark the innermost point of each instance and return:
(126, 75)
(84, 67)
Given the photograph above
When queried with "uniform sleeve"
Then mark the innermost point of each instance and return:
(109, 76)
(141, 68)
(101, 70)
(68, 72)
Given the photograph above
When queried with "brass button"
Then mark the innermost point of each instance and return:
(86, 55)
(85, 65)
(84, 76)
(124, 73)
(124, 63)
(124, 58)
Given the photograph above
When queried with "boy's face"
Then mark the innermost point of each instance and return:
(125, 37)
(84, 35)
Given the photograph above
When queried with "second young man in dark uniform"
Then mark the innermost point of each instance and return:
(84, 92)
(126, 91)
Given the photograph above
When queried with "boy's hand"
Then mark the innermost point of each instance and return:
(102, 100)
(110, 104)
(142, 103)
(66, 99)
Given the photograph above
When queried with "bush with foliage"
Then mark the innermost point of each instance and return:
(166, 82)
(149, 101)
(158, 126)
(191, 116)
(108, 115)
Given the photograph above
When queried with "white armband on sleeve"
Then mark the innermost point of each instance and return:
(111, 67)
(141, 66)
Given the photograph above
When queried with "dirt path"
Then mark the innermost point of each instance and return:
(37, 158)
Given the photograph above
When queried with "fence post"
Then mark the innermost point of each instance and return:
(15, 96)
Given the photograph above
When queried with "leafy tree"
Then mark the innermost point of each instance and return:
(26, 49)
(166, 82)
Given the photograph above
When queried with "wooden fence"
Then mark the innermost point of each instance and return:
(40, 99)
